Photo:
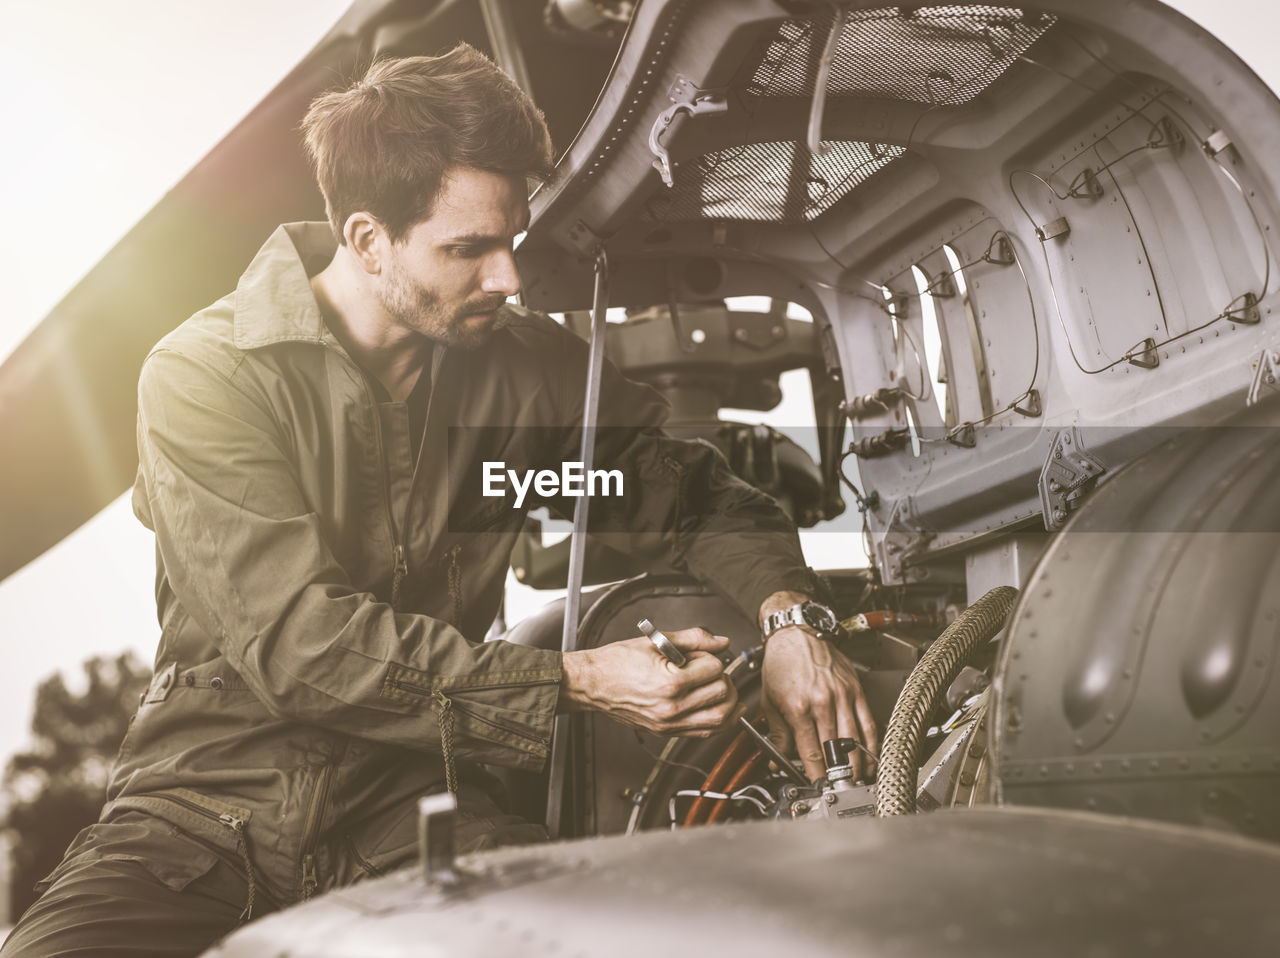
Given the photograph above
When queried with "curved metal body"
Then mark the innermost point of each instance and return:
(973, 883)
(1160, 695)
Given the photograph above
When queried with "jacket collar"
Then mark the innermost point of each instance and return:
(274, 302)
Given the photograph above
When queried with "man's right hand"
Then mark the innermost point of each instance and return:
(635, 684)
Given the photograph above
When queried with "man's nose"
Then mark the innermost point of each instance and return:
(500, 274)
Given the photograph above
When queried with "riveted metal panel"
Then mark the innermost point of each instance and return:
(1158, 695)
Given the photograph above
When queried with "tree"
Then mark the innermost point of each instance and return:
(58, 787)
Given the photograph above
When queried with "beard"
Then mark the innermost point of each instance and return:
(415, 306)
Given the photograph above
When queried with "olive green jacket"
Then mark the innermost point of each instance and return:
(322, 600)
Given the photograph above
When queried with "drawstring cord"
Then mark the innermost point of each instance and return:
(445, 718)
(242, 845)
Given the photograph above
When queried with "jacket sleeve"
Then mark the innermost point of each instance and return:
(680, 501)
(247, 559)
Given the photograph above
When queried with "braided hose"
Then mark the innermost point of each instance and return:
(900, 753)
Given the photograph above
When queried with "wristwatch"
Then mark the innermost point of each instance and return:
(815, 615)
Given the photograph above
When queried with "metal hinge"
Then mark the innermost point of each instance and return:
(1052, 229)
(685, 98)
(1068, 473)
(1216, 142)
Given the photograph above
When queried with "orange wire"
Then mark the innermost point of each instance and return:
(717, 774)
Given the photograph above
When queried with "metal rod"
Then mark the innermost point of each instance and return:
(578, 541)
(814, 139)
(506, 46)
(775, 753)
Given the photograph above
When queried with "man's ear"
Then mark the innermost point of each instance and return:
(367, 239)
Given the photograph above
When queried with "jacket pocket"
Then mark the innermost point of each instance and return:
(172, 858)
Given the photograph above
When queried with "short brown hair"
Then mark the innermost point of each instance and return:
(384, 144)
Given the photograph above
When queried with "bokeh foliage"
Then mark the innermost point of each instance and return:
(58, 786)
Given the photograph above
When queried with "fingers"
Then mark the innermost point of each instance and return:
(870, 734)
(701, 667)
(848, 724)
(809, 747)
(712, 693)
(707, 722)
(815, 691)
(697, 640)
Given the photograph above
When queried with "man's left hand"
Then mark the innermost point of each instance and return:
(811, 694)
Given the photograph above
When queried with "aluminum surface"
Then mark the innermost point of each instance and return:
(987, 884)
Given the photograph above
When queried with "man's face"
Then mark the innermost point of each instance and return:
(451, 271)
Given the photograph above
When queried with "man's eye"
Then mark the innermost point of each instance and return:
(465, 252)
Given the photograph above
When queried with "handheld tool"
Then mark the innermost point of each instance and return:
(663, 644)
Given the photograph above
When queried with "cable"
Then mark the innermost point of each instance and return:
(666, 761)
(756, 763)
(1158, 97)
(1228, 312)
(699, 794)
(926, 386)
(1231, 308)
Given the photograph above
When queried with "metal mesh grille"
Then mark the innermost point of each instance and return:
(756, 182)
(942, 55)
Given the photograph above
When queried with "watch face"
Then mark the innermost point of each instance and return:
(819, 617)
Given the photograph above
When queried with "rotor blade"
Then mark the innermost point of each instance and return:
(67, 393)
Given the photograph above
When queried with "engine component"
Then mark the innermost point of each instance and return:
(887, 619)
(835, 754)
(953, 775)
(871, 404)
(899, 755)
(889, 441)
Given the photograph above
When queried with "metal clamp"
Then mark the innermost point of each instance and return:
(1266, 372)
(437, 815)
(1068, 471)
(662, 643)
(685, 98)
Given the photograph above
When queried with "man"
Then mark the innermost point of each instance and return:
(309, 451)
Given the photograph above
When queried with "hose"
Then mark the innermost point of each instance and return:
(899, 755)
(755, 765)
(720, 773)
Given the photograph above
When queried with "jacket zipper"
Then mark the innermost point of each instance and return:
(399, 557)
(437, 695)
(309, 882)
(236, 824)
(400, 562)
(311, 833)
(423, 690)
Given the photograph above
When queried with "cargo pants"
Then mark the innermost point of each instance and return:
(136, 885)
